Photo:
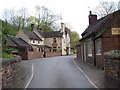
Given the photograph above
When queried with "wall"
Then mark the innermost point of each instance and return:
(49, 54)
(49, 41)
(34, 55)
(11, 72)
(112, 71)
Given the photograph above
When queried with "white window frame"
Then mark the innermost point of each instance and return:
(98, 46)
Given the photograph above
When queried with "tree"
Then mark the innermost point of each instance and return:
(105, 8)
(74, 37)
(18, 18)
(46, 19)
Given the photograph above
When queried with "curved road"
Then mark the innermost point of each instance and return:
(58, 72)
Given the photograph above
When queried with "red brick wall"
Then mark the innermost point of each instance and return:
(78, 51)
(110, 42)
(23, 55)
(33, 55)
(99, 61)
(48, 54)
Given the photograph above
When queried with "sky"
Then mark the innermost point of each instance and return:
(73, 12)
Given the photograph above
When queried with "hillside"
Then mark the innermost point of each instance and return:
(8, 28)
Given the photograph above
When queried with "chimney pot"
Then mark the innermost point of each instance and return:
(90, 12)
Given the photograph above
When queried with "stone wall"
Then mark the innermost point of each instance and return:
(112, 72)
(11, 72)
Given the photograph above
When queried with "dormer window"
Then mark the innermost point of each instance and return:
(38, 42)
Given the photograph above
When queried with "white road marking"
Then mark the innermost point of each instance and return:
(30, 77)
(85, 75)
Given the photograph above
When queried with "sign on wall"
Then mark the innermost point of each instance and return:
(115, 31)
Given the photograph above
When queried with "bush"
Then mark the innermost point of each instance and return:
(6, 55)
(115, 53)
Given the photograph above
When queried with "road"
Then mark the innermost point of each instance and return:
(58, 72)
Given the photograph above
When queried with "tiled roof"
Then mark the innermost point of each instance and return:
(42, 46)
(98, 27)
(93, 27)
(10, 42)
(50, 34)
(32, 35)
(18, 41)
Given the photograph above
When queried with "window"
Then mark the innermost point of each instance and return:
(54, 40)
(30, 49)
(39, 49)
(38, 42)
(89, 48)
(54, 49)
(33, 41)
(98, 46)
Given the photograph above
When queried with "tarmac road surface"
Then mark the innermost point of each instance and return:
(58, 72)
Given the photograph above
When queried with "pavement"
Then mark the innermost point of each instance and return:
(96, 75)
(93, 74)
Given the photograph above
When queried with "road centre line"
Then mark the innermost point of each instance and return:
(30, 77)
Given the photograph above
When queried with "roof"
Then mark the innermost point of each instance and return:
(18, 41)
(42, 46)
(32, 35)
(98, 27)
(10, 42)
(50, 34)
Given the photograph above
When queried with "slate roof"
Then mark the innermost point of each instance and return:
(98, 27)
(32, 35)
(50, 34)
(10, 42)
(93, 27)
(18, 41)
(42, 46)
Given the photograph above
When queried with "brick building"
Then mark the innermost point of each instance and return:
(101, 36)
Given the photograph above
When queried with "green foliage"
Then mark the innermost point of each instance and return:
(6, 55)
(74, 37)
(8, 28)
(113, 53)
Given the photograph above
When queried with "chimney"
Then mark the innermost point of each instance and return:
(62, 27)
(32, 26)
(92, 18)
(119, 5)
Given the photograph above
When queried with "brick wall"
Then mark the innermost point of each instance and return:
(48, 54)
(34, 55)
(110, 42)
(78, 51)
(99, 61)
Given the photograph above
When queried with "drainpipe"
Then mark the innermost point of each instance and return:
(94, 52)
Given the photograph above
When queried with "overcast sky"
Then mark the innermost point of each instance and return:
(73, 12)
